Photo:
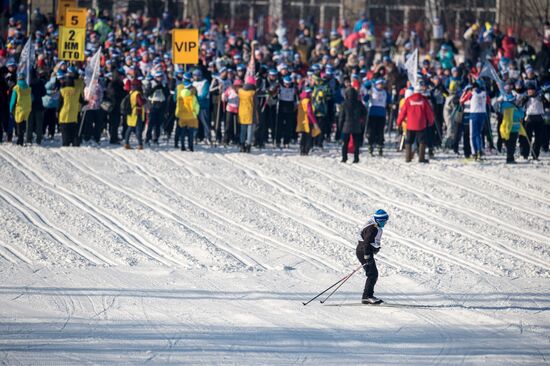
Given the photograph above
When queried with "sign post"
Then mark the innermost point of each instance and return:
(62, 5)
(185, 46)
(72, 35)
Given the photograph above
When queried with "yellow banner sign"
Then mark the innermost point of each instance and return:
(76, 17)
(62, 5)
(185, 46)
(71, 44)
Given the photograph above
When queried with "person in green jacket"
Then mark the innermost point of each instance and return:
(20, 106)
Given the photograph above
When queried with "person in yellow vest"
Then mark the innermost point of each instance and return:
(69, 106)
(20, 106)
(135, 119)
(79, 86)
(179, 88)
(246, 114)
(307, 123)
(187, 111)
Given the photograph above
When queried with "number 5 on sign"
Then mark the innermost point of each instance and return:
(71, 44)
(185, 46)
(76, 17)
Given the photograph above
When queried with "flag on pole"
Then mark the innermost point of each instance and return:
(251, 68)
(488, 71)
(26, 61)
(91, 74)
(411, 65)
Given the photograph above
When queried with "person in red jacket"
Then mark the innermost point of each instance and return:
(418, 113)
(509, 44)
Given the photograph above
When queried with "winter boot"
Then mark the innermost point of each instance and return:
(140, 147)
(408, 153)
(422, 154)
(248, 148)
(380, 151)
(372, 300)
(127, 147)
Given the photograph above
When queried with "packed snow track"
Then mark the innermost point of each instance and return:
(165, 257)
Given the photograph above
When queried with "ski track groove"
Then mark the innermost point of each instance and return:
(321, 207)
(339, 215)
(534, 236)
(148, 203)
(35, 218)
(505, 184)
(238, 254)
(318, 262)
(436, 175)
(163, 210)
(437, 221)
(131, 238)
(7, 256)
(434, 252)
(459, 209)
(14, 254)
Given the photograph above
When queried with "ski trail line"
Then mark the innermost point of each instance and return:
(413, 245)
(432, 174)
(131, 238)
(505, 184)
(15, 254)
(146, 202)
(35, 218)
(276, 243)
(535, 236)
(236, 252)
(507, 250)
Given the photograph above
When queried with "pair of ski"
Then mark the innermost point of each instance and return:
(381, 304)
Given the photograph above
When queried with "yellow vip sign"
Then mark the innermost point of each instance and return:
(185, 46)
(76, 17)
(62, 5)
(71, 44)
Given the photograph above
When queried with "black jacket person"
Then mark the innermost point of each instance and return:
(367, 247)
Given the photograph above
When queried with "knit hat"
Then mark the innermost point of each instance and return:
(381, 216)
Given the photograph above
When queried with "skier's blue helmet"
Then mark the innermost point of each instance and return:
(380, 217)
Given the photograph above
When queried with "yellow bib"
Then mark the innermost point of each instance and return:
(69, 109)
(23, 105)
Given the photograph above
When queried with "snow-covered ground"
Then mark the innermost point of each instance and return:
(164, 257)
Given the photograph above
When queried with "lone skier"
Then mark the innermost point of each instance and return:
(368, 246)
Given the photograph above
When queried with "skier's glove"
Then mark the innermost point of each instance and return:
(369, 259)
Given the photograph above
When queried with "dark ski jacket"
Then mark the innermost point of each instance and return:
(353, 112)
(365, 250)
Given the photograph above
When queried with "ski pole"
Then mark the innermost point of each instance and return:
(341, 283)
(337, 282)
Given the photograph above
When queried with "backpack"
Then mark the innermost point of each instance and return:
(158, 96)
(319, 102)
(126, 106)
